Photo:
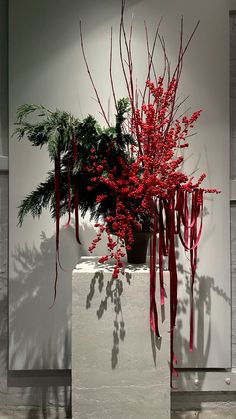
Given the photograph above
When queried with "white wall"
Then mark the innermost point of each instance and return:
(46, 67)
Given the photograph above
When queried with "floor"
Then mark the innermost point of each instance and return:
(32, 413)
(20, 413)
(206, 414)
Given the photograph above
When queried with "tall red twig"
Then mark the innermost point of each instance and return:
(153, 178)
(90, 76)
(110, 72)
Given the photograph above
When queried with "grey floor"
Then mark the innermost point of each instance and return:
(206, 414)
(21, 413)
(32, 413)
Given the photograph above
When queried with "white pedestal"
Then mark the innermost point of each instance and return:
(119, 369)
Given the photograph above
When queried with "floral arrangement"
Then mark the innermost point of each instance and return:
(129, 176)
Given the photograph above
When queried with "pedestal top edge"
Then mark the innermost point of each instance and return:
(91, 264)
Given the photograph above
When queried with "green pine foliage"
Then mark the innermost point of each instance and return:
(55, 130)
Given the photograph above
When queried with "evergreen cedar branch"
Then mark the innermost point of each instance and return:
(55, 130)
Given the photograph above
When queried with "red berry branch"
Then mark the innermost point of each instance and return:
(152, 192)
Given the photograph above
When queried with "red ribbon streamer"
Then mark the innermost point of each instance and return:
(173, 277)
(190, 233)
(197, 204)
(153, 306)
(76, 194)
(68, 194)
(160, 249)
(57, 168)
(176, 211)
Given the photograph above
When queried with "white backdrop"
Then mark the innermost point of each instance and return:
(46, 67)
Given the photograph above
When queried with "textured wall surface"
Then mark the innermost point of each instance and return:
(233, 174)
(233, 270)
(233, 95)
(3, 78)
(3, 280)
(3, 196)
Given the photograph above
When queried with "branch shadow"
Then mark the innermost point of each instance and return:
(39, 337)
(203, 289)
(112, 295)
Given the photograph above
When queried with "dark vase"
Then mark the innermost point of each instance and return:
(138, 252)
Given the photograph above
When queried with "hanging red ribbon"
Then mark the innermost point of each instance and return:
(76, 193)
(197, 207)
(196, 210)
(173, 278)
(191, 240)
(176, 210)
(57, 171)
(153, 306)
(68, 194)
(160, 252)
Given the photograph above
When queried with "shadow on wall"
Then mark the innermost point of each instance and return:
(39, 337)
(203, 289)
(37, 333)
(3, 329)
